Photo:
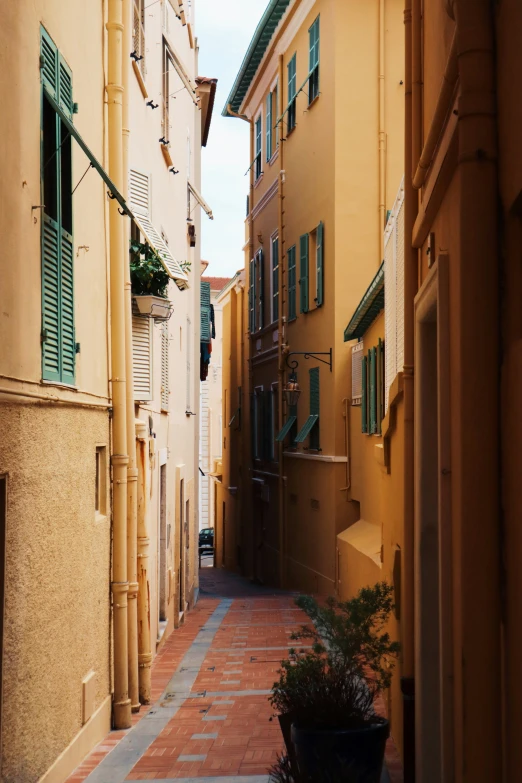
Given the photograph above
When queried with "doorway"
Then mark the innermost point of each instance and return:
(162, 546)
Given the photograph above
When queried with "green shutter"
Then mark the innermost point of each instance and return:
(320, 265)
(364, 403)
(275, 280)
(67, 309)
(251, 300)
(372, 359)
(380, 385)
(303, 271)
(48, 62)
(314, 407)
(51, 350)
(291, 284)
(292, 418)
(205, 312)
(268, 426)
(261, 264)
(65, 92)
(269, 144)
(292, 73)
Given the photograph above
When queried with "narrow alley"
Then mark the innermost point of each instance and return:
(210, 716)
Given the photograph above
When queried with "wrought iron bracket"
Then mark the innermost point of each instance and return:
(294, 364)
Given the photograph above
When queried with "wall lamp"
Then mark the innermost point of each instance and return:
(291, 389)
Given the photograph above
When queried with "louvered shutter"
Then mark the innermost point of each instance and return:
(51, 345)
(291, 284)
(357, 357)
(261, 297)
(314, 407)
(269, 126)
(399, 282)
(65, 92)
(67, 309)
(165, 387)
(380, 384)
(251, 297)
(364, 404)
(303, 272)
(275, 280)
(267, 426)
(139, 193)
(390, 307)
(142, 356)
(320, 265)
(372, 362)
(49, 62)
(205, 335)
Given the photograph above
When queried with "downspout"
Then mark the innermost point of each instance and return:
(412, 141)
(119, 458)
(382, 133)
(132, 472)
(280, 336)
(144, 645)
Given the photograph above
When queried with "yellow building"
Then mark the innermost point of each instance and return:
(84, 450)
(322, 88)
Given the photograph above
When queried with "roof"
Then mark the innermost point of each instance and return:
(216, 283)
(255, 53)
(369, 308)
(207, 93)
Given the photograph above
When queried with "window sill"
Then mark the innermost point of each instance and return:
(59, 385)
(139, 77)
(259, 179)
(274, 157)
(290, 131)
(314, 101)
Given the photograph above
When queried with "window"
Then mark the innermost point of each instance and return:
(292, 312)
(275, 279)
(138, 34)
(313, 67)
(141, 355)
(166, 97)
(269, 127)
(319, 265)
(290, 426)
(373, 387)
(357, 359)
(258, 169)
(303, 274)
(256, 292)
(57, 336)
(165, 385)
(394, 291)
(292, 90)
(311, 425)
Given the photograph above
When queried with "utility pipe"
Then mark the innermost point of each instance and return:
(382, 132)
(53, 399)
(132, 472)
(144, 644)
(120, 459)
(412, 130)
(442, 109)
(280, 363)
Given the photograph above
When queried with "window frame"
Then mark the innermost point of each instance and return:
(258, 146)
(274, 278)
(291, 86)
(313, 60)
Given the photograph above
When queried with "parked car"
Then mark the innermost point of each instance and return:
(206, 538)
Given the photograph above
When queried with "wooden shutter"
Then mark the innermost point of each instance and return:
(364, 405)
(205, 334)
(314, 406)
(165, 386)
(269, 126)
(142, 356)
(251, 297)
(51, 345)
(399, 283)
(320, 265)
(357, 358)
(67, 309)
(394, 293)
(261, 296)
(49, 62)
(65, 92)
(303, 271)
(267, 425)
(139, 193)
(379, 372)
(275, 280)
(291, 284)
(372, 364)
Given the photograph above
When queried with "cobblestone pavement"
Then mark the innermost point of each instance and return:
(210, 717)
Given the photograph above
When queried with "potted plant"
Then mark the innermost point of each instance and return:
(149, 281)
(330, 690)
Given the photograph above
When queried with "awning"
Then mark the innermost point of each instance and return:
(94, 161)
(187, 82)
(199, 198)
(369, 308)
(306, 429)
(156, 242)
(286, 428)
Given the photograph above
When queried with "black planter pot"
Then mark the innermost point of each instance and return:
(330, 756)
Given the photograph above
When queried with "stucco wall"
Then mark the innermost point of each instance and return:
(57, 617)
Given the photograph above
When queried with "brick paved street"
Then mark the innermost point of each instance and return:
(211, 717)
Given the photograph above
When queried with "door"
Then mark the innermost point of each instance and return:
(181, 563)
(162, 546)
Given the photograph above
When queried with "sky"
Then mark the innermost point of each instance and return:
(224, 31)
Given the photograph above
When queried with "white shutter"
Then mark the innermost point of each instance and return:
(394, 293)
(165, 388)
(357, 356)
(142, 356)
(139, 193)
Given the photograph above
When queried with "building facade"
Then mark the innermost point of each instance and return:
(327, 155)
(91, 464)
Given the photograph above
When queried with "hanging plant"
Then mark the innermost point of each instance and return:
(148, 275)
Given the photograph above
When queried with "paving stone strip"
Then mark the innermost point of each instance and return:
(119, 762)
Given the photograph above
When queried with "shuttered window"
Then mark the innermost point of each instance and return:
(303, 273)
(252, 297)
(275, 279)
(292, 89)
(205, 334)
(373, 388)
(394, 293)
(269, 127)
(165, 387)
(357, 358)
(364, 403)
(319, 265)
(289, 425)
(292, 284)
(142, 356)
(258, 166)
(313, 62)
(311, 426)
(260, 289)
(57, 335)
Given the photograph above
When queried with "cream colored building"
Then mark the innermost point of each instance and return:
(78, 100)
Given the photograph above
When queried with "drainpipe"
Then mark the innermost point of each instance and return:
(382, 133)
(280, 336)
(411, 156)
(119, 459)
(132, 473)
(144, 645)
